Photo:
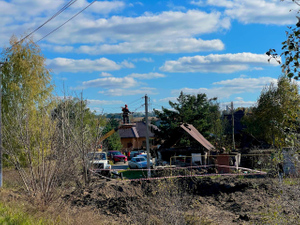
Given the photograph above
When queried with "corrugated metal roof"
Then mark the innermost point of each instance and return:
(191, 130)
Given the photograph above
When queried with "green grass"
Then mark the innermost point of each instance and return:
(133, 174)
(10, 215)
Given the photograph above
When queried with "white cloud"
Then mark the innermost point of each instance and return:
(127, 64)
(226, 88)
(146, 27)
(256, 11)
(109, 83)
(105, 74)
(84, 65)
(215, 63)
(101, 7)
(58, 48)
(92, 102)
(126, 92)
(147, 76)
(171, 45)
(144, 59)
(86, 29)
(23, 16)
(238, 103)
(172, 99)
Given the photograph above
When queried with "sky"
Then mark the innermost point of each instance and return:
(116, 52)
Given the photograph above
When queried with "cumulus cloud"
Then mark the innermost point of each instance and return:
(155, 46)
(227, 88)
(149, 26)
(216, 63)
(105, 74)
(86, 29)
(85, 65)
(256, 11)
(19, 17)
(237, 103)
(144, 59)
(146, 76)
(109, 83)
(92, 102)
(126, 92)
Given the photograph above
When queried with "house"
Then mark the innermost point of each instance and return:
(135, 137)
(167, 149)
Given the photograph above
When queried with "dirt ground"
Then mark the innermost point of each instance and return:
(220, 200)
(209, 200)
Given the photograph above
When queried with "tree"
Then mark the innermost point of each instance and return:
(27, 128)
(25, 80)
(275, 118)
(114, 141)
(290, 55)
(78, 129)
(197, 110)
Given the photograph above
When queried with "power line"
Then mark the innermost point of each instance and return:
(67, 21)
(47, 21)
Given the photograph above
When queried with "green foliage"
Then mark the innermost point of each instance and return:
(290, 55)
(275, 119)
(76, 112)
(14, 215)
(197, 110)
(114, 141)
(26, 91)
(25, 80)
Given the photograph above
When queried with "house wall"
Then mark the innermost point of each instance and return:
(136, 143)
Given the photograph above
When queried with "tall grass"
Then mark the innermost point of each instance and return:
(12, 215)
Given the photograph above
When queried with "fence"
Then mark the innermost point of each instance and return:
(220, 165)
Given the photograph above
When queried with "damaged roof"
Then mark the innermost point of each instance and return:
(191, 130)
(137, 131)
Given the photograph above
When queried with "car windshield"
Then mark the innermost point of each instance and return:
(96, 156)
(140, 159)
(116, 153)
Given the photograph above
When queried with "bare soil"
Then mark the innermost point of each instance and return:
(221, 200)
(209, 200)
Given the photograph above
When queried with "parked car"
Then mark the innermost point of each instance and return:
(135, 153)
(138, 162)
(98, 163)
(117, 156)
(145, 156)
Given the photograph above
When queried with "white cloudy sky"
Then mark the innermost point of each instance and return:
(115, 52)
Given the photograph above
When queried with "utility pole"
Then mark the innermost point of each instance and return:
(147, 137)
(1, 149)
(232, 117)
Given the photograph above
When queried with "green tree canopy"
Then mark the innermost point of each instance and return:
(25, 80)
(114, 141)
(197, 110)
(275, 118)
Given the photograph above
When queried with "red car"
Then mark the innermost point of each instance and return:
(117, 156)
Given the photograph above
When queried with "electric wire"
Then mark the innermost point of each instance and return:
(66, 21)
(47, 21)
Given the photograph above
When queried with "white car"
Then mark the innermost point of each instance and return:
(145, 156)
(98, 163)
(139, 162)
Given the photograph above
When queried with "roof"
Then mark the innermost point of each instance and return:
(137, 131)
(191, 130)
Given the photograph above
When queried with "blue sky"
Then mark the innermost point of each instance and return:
(115, 52)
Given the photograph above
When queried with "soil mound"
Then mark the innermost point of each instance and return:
(221, 200)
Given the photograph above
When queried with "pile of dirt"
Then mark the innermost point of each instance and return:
(221, 200)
